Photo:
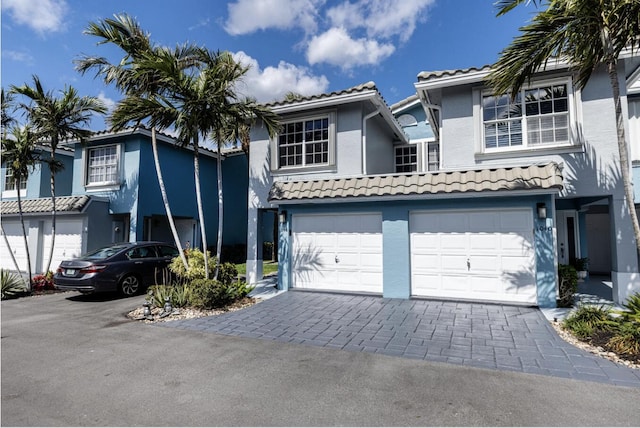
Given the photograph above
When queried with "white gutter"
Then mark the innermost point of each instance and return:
(364, 139)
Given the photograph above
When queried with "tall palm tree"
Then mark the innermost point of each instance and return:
(7, 121)
(201, 101)
(57, 119)
(18, 152)
(125, 33)
(588, 34)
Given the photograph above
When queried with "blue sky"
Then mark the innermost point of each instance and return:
(304, 46)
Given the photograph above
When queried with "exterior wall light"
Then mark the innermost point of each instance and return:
(282, 217)
(542, 210)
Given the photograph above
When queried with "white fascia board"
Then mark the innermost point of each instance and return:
(477, 76)
(423, 197)
(370, 95)
(405, 104)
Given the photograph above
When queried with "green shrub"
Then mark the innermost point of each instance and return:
(209, 293)
(12, 285)
(195, 260)
(179, 294)
(626, 340)
(568, 278)
(228, 273)
(594, 316)
(632, 306)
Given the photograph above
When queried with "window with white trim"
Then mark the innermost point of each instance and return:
(406, 158)
(304, 143)
(537, 116)
(102, 165)
(433, 156)
(10, 182)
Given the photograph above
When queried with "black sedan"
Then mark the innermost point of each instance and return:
(127, 267)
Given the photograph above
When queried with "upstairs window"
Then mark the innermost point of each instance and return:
(537, 116)
(419, 156)
(407, 158)
(102, 165)
(10, 182)
(304, 143)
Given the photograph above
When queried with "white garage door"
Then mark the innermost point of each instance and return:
(68, 244)
(337, 252)
(13, 232)
(480, 255)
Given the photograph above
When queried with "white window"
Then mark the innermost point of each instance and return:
(10, 182)
(304, 143)
(407, 158)
(537, 116)
(102, 165)
(433, 156)
(419, 156)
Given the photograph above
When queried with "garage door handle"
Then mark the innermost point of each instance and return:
(468, 264)
(337, 259)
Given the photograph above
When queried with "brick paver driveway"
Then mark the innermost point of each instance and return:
(472, 334)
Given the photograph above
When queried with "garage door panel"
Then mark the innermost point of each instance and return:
(13, 233)
(348, 251)
(453, 242)
(497, 243)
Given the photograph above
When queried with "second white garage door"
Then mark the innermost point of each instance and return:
(337, 252)
(479, 255)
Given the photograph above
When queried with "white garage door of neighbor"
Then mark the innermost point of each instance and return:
(13, 232)
(337, 252)
(68, 244)
(480, 255)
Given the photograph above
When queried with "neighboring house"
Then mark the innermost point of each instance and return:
(482, 205)
(110, 193)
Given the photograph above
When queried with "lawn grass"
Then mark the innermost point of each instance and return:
(268, 267)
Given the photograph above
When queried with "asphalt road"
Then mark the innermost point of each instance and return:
(77, 361)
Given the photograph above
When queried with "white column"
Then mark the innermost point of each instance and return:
(624, 275)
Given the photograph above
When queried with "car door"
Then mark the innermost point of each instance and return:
(143, 261)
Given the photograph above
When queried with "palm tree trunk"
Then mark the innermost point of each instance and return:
(13, 258)
(53, 206)
(220, 209)
(196, 171)
(24, 234)
(165, 199)
(622, 148)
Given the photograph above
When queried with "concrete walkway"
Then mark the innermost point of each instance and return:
(471, 334)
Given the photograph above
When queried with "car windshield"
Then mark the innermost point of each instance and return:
(104, 253)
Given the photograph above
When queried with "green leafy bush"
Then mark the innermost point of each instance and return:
(626, 340)
(12, 285)
(179, 294)
(568, 278)
(632, 306)
(228, 273)
(209, 293)
(195, 260)
(585, 321)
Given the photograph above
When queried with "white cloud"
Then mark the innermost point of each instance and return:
(43, 16)
(336, 47)
(247, 16)
(18, 56)
(272, 83)
(380, 18)
(108, 102)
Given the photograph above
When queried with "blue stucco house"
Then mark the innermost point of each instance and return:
(109, 193)
(451, 193)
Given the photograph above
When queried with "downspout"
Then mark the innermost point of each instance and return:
(364, 139)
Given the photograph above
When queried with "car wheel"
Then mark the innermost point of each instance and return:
(129, 285)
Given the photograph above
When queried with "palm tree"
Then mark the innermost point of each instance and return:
(125, 33)
(587, 33)
(8, 120)
(55, 119)
(18, 152)
(200, 100)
